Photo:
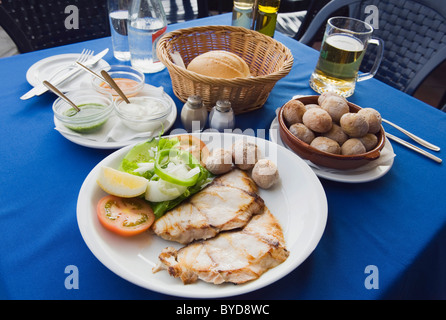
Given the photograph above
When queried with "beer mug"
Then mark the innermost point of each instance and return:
(343, 47)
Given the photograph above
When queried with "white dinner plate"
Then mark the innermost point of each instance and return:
(348, 176)
(45, 68)
(298, 201)
(85, 141)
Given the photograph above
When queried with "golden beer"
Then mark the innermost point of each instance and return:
(343, 48)
(338, 64)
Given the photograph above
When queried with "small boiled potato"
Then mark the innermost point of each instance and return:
(311, 105)
(335, 106)
(337, 134)
(326, 145)
(369, 141)
(352, 146)
(318, 120)
(219, 161)
(265, 173)
(302, 132)
(293, 111)
(354, 124)
(245, 154)
(325, 95)
(373, 117)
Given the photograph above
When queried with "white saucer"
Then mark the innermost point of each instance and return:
(45, 68)
(348, 176)
(87, 141)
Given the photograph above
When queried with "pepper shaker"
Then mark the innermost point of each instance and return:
(222, 116)
(194, 115)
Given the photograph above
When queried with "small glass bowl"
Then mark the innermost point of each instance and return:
(95, 108)
(144, 113)
(129, 80)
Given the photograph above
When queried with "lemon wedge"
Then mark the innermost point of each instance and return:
(121, 184)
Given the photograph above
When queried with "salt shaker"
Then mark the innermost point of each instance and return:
(222, 116)
(194, 115)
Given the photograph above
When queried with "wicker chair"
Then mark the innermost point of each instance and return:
(414, 32)
(36, 24)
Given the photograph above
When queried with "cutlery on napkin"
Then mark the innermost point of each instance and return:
(38, 90)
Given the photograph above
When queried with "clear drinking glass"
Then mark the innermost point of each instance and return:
(147, 23)
(118, 15)
(343, 48)
(242, 13)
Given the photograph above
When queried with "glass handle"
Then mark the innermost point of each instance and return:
(368, 75)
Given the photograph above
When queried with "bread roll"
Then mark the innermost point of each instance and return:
(219, 64)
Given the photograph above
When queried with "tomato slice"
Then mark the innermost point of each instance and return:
(125, 216)
(195, 146)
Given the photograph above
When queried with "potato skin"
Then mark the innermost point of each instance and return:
(302, 132)
(354, 124)
(317, 120)
(326, 145)
(293, 112)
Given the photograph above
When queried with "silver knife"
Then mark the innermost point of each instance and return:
(414, 148)
(38, 90)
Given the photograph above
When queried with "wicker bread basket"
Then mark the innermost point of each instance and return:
(268, 60)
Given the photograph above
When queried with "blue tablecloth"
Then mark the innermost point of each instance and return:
(396, 224)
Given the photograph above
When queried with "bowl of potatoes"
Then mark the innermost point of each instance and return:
(331, 132)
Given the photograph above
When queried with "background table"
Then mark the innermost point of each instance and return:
(396, 223)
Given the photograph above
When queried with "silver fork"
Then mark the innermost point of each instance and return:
(83, 57)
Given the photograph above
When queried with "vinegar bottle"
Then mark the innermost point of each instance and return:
(242, 13)
(266, 17)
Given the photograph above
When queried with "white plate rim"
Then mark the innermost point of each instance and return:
(33, 81)
(314, 217)
(338, 176)
(119, 144)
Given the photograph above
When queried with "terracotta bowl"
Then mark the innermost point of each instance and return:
(325, 159)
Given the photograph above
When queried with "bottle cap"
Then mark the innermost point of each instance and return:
(194, 102)
(223, 105)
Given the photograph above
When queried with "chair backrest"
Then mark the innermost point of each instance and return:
(35, 24)
(184, 10)
(414, 33)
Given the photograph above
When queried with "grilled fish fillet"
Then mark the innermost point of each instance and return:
(227, 203)
(232, 256)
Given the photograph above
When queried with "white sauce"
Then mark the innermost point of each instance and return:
(144, 114)
(142, 107)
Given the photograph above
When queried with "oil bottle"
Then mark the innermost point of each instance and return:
(266, 16)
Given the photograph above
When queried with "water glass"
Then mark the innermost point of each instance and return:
(118, 12)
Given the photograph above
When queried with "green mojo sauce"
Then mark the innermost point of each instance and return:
(88, 110)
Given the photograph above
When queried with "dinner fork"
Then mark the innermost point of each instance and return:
(84, 56)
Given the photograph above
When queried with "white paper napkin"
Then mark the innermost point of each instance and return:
(114, 129)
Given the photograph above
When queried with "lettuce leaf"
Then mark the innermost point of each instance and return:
(145, 152)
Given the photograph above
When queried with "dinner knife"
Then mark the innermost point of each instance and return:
(414, 148)
(38, 90)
